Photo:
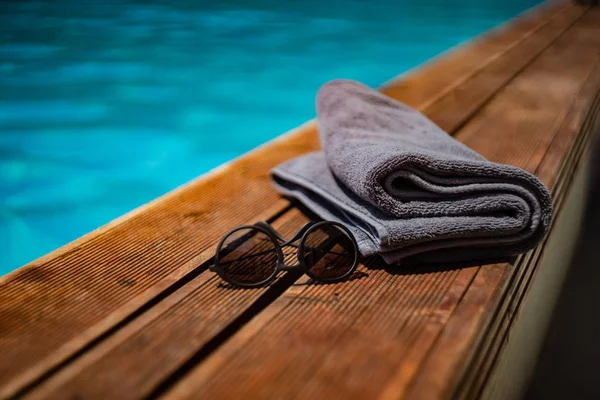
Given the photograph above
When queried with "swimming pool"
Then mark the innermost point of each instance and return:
(107, 105)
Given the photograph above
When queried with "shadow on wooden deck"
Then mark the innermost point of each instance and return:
(131, 310)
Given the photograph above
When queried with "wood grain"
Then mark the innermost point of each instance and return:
(130, 303)
(470, 320)
(103, 363)
(493, 339)
(375, 341)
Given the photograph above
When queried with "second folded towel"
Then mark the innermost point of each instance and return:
(406, 187)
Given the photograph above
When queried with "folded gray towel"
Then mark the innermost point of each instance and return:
(405, 187)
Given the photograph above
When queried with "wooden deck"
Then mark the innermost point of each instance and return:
(131, 311)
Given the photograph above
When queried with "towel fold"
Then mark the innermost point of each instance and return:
(405, 187)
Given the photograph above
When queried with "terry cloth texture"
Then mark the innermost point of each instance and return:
(403, 186)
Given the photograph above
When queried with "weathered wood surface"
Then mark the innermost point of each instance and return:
(131, 311)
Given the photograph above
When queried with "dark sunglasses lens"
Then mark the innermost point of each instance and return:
(248, 256)
(328, 252)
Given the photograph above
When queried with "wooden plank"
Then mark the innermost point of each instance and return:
(438, 77)
(451, 110)
(493, 339)
(522, 276)
(371, 339)
(159, 341)
(515, 365)
(468, 324)
(56, 307)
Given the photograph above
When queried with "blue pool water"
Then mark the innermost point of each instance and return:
(105, 105)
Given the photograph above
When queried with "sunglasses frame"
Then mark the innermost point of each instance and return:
(280, 242)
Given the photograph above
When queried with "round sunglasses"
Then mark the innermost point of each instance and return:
(251, 255)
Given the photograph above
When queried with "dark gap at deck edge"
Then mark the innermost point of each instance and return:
(232, 328)
(260, 303)
(485, 349)
(526, 278)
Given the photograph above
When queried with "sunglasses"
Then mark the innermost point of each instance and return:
(251, 255)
